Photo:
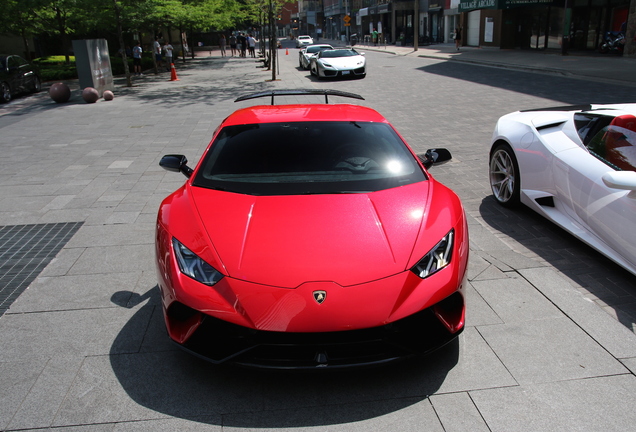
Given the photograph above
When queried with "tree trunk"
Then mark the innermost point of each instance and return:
(63, 35)
(27, 49)
(630, 31)
(183, 42)
(122, 44)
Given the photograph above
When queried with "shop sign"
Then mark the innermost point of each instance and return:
(469, 5)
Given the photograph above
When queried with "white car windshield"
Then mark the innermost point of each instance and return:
(616, 146)
(317, 48)
(339, 53)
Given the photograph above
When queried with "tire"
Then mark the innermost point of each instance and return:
(37, 85)
(504, 175)
(603, 48)
(5, 92)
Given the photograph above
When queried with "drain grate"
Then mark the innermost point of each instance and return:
(25, 250)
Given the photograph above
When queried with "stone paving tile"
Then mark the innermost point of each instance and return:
(547, 350)
(458, 413)
(18, 377)
(390, 415)
(603, 403)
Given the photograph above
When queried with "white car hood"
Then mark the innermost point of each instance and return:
(344, 62)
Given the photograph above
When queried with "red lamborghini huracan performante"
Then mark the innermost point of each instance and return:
(311, 236)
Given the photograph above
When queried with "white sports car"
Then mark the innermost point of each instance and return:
(338, 63)
(305, 54)
(577, 167)
(303, 41)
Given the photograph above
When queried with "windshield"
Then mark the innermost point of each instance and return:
(338, 53)
(315, 49)
(308, 158)
(616, 146)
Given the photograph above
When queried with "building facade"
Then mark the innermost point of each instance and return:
(526, 24)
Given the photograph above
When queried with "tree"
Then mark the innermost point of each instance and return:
(20, 20)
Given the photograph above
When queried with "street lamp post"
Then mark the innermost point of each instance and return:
(566, 30)
(416, 25)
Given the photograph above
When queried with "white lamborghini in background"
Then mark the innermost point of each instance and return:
(577, 167)
(341, 62)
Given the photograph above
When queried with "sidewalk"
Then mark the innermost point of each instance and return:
(591, 66)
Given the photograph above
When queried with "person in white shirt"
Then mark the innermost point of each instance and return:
(167, 49)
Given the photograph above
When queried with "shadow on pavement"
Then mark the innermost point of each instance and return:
(584, 265)
(169, 381)
(568, 91)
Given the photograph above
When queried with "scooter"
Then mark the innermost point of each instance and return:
(612, 41)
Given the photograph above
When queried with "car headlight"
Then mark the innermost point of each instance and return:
(437, 258)
(193, 266)
(326, 65)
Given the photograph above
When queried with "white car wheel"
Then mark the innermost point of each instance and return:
(504, 175)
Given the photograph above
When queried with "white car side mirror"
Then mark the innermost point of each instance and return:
(620, 180)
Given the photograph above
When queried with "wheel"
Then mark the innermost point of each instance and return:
(504, 175)
(5, 92)
(37, 85)
(603, 48)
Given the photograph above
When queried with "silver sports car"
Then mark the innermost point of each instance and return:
(338, 63)
(305, 54)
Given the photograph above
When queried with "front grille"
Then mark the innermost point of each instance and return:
(219, 341)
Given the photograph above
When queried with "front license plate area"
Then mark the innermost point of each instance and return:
(346, 72)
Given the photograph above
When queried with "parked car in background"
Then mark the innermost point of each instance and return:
(303, 41)
(17, 76)
(305, 54)
(346, 62)
(311, 236)
(576, 166)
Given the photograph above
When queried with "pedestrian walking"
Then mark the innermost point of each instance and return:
(458, 37)
(375, 37)
(242, 42)
(222, 44)
(157, 52)
(251, 45)
(233, 44)
(136, 53)
(168, 49)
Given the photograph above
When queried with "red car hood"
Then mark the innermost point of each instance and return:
(285, 241)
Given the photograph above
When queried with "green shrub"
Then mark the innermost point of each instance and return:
(54, 68)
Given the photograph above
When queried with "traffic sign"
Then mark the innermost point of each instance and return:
(347, 18)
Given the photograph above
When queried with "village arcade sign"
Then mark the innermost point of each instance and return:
(470, 5)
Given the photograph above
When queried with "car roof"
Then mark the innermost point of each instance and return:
(303, 112)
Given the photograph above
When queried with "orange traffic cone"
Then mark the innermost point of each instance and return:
(286, 51)
(173, 73)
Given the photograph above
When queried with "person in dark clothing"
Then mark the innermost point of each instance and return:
(242, 40)
(458, 37)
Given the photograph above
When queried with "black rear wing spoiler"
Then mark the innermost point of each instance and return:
(299, 92)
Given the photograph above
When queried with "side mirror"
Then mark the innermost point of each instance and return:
(625, 180)
(176, 163)
(434, 157)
